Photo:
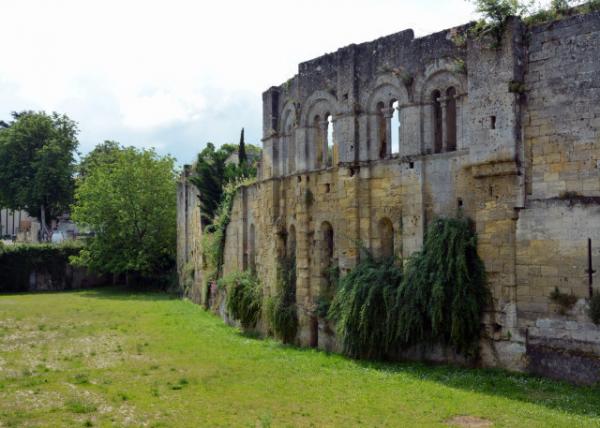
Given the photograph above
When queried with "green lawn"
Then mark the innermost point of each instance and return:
(104, 358)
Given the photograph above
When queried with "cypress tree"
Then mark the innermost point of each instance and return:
(243, 158)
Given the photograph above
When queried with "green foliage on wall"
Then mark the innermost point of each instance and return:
(281, 309)
(244, 297)
(438, 300)
(17, 262)
(444, 290)
(362, 307)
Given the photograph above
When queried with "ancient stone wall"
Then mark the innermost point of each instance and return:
(509, 136)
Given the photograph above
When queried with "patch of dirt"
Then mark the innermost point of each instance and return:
(469, 422)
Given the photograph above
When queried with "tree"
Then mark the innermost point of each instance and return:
(37, 163)
(130, 204)
(212, 174)
(242, 157)
(105, 152)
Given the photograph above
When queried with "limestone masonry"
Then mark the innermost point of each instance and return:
(370, 143)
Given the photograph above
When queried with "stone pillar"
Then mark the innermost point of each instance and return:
(388, 114)
(444, 104)
(323, 141)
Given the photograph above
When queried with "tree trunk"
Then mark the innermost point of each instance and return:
(44, 231)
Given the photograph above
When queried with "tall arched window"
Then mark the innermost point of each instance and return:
(382, 130)
(318, 141)
(437, 121)
(395, 137)
(330, 141)
(451, 119)
(252, 249)
(386, 238)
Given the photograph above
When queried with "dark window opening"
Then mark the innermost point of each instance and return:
(451, 119)
(437, 122)
(493, 122)
(382, 130)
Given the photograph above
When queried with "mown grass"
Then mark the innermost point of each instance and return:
(109, 358)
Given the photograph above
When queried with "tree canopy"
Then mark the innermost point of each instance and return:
(37, 163)
(213, 172)
(130, 204)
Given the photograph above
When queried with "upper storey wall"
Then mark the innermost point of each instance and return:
(357, 86)
(562, 124)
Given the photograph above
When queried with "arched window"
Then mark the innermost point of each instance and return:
(437, 121)
(451, 119)
(330, 141)
(318, 141)
(386, 238)
(382, 130)
(395, 127)
(252, 249)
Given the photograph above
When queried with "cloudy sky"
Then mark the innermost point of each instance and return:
(175, 74)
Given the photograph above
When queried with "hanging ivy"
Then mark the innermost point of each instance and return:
(444, 290)
(362, 306)
(439, 299)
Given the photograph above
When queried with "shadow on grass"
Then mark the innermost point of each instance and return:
(114, 292)
(552, 394)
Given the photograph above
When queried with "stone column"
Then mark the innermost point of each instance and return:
(323, 141)
(388, 114)
(444, 104)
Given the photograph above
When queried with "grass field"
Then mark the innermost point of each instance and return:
(106, 358)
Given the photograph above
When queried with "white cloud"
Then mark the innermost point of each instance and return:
(176, 74)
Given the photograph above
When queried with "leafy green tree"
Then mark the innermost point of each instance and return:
(212, 173)
(105, 152)
(37, 163)
(130, 204)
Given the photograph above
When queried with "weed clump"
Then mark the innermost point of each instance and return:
(244, 297)
(281, 309)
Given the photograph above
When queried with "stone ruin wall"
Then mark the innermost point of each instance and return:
(524, 165)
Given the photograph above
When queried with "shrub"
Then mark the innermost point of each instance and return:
(362, 307)
(594, 309)
(444, 290)
(244, 297)
(281, 309)
(563, 300)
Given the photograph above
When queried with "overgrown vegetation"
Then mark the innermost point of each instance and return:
(213, 172)
(438, 300)
(563, 300)
(495, 14)
(281, 308)
(362, 307)
(594, 308)
(244, 297)
(444, 290)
